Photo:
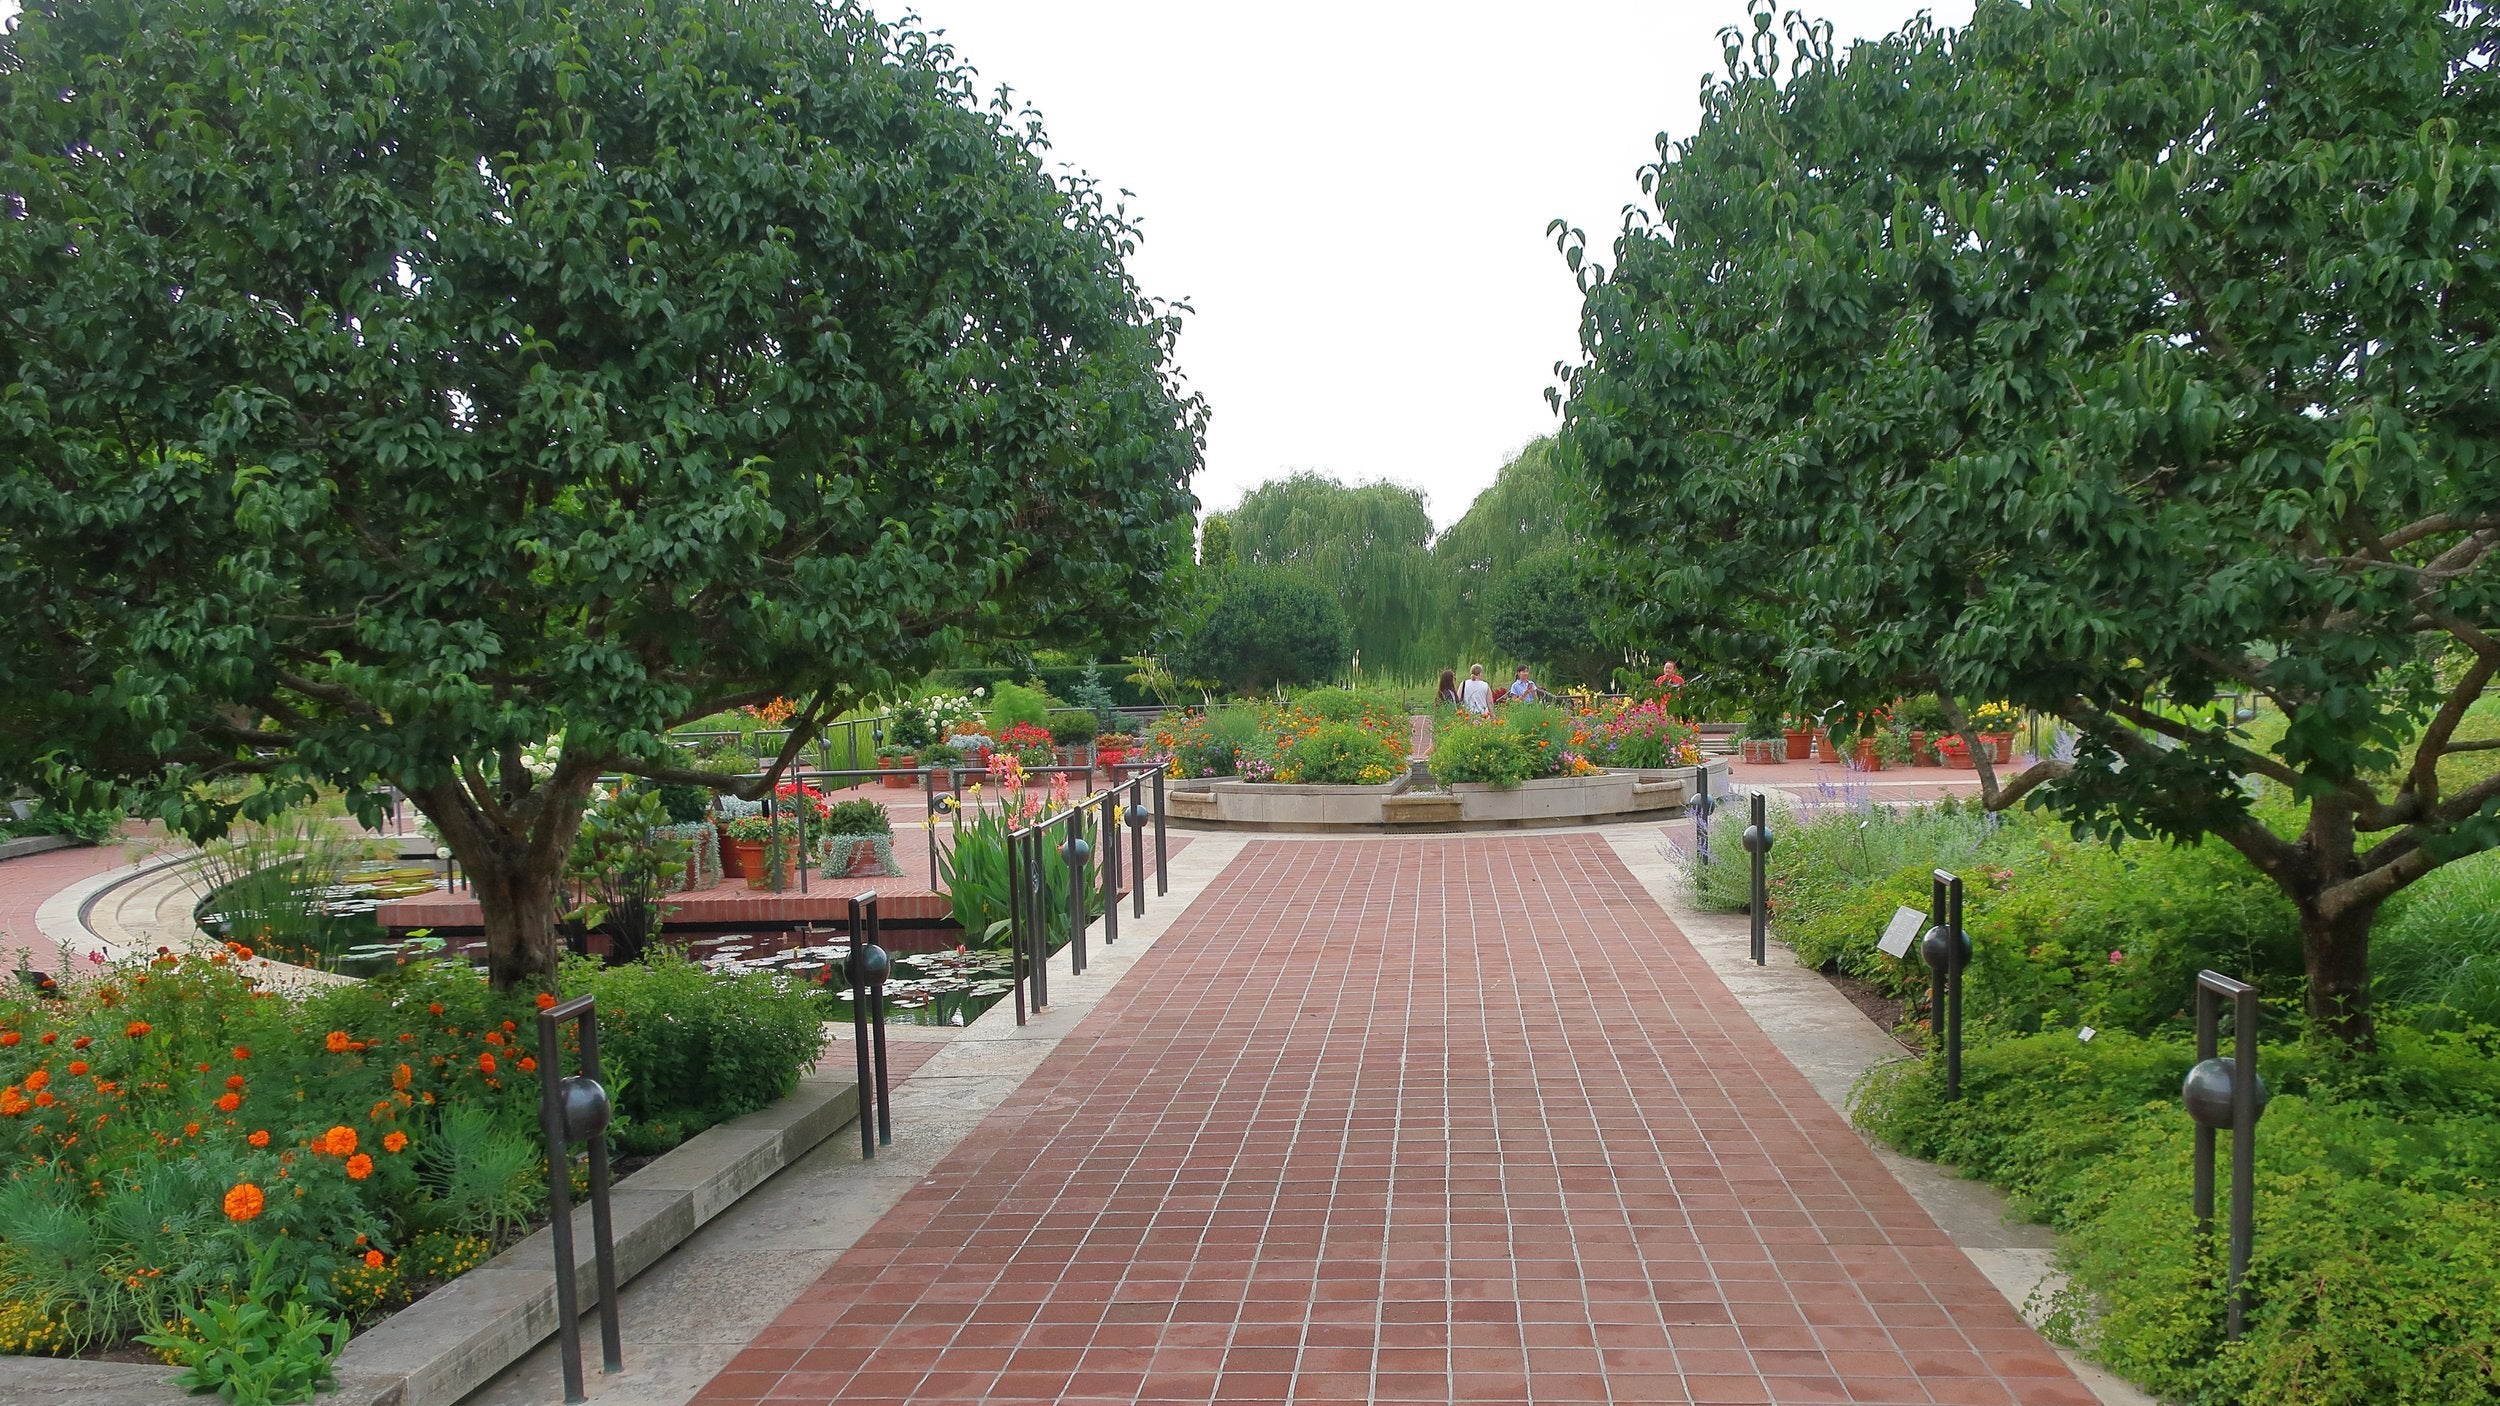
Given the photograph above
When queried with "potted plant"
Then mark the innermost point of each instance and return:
(1892, 745)
(1073, 735)
(1799, 733)
(1924, 715)
(897, 763)
(1760, 742)
(1953, 751)
(1823, 749)
(765, 851)
(1995, 724)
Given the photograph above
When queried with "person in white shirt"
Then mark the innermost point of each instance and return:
(1475, 695)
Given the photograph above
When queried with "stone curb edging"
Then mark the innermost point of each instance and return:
(457, 1338)
(36, 844)
(63, 916)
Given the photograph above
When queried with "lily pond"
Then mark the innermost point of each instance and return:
(314, 924)
(927, 988)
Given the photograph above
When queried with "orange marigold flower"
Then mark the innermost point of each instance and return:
(338, 1042)
(338, 1142)
(434, 1008)
(401, 1076)
(245, 1201)
(395, 1142)
(37, 1080)
(380, 1111)
(529, 1065)
(190, 1130)
(510, 1025)
(43, 1100)
(49, 1036)
(82, 1042)
(359, 1167)
(9, 1037)
(235, 1082)
(259, 1137)
(494, 1037)
(546, 1002)
(486, 1063)
(136, 1028)
(12, 1102)
(373, 1259)
(229, 1101)
(77, 1066)
(242, 1052)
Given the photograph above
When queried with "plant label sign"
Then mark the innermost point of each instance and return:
(1901, 931)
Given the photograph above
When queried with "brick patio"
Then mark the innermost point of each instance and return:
(1409, 1120)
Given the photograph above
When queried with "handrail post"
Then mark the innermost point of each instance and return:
(1109, 829)
(1163, 852)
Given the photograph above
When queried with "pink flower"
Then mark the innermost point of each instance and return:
(2116, 957)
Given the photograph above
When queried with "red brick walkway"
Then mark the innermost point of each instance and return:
(1408, 1120)
(28, 880)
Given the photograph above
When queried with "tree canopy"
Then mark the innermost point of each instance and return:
(1260, 626)
(1371, 543)
(2110, 358)
(1548, 608)
(389, 388)
(1536, 502)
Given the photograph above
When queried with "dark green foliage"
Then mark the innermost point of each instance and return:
(1547, 609)
(861, 817)
(1539, 502)
(2098, 355)
(1368, 544)
(432, 380)
(1263, 627)
(617, 872)
(684, 805)
(1069, 729)
(2437, 947)
(693, 1049)
(2376, 1278)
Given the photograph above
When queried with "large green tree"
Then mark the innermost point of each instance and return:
(1548, 608)
(388, 387)
(1371, 543)
(2114, 358)
(1537, 501)
(1259, 626)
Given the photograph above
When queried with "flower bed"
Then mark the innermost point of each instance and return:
(1326, 737)
(1531, 741)
(178, 1138)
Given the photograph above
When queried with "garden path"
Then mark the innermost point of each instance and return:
(28, 880)
(1460, 1119)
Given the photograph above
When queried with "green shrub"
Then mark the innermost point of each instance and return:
(1069, 729)
(2376, 1274)
(1349, 705)
(1011, 704)
(861, 817)
(1339, 754)
(2437, 944)
(1481, 752)
(692, 1049)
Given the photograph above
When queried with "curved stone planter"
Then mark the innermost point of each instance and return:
(1220, 802)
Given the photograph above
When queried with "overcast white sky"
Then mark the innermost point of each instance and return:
(1353, 197)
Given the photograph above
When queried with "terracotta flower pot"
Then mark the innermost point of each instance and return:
(1867, 760)
(1922, 752)
(901, 780)
(732, 863)
(2000, 746)
(743, 859)
(1823, 751)
(1800, 744)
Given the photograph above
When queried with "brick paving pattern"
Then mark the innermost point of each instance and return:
(28, 880)
(1408, 1120)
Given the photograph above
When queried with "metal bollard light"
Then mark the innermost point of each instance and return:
(1758, 844)
(1703, 807)
(1137, 817)
(571, 1110)
(2227, 1093)
(867, 967)
(1947, 950)
(1076, 851)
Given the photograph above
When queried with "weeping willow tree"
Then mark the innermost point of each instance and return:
(1538, 502)
(1370, 542)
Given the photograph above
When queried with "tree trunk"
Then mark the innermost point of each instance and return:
(518, 907)
(2335, 950)
(514, 861)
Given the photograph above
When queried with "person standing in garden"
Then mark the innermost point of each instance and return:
(1476, 696)
(1523, 689)
(1448, 697)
